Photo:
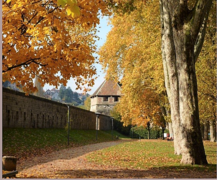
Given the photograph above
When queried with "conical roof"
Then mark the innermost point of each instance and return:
(108, 88)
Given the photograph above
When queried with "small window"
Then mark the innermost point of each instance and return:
(105, 98)
(116, 98)
(24, 116)
(17, 116)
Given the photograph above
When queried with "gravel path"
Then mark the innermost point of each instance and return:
(62, 163)
(71, 163)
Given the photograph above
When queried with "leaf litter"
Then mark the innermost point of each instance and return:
(75, 163)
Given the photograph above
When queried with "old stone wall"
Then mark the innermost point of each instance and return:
(23, 111)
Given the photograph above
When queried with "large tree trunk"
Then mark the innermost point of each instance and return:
(212, 124)
(170, 81)
(183, 33)
(170, 129)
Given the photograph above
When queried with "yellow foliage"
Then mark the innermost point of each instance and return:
(206, 71)
(132, 54)
(61, 2)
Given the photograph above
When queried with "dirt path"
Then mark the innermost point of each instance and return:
(71, 163)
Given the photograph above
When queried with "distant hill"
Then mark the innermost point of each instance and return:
(64, 95)
(9, 85)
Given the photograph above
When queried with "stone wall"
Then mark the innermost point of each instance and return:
(21, 111)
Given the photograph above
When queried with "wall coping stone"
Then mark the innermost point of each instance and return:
(45, 100)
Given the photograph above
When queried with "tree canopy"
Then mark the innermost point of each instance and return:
(132, 54)
(49, 39)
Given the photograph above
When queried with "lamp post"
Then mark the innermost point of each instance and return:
(68, 123)
(163, 128)
(112, 126)
(132, 131)
(97, 123)
(148, 127)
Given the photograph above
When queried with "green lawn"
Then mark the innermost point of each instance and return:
(25, 142)
(147, 154)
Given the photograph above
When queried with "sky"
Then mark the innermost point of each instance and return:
(103, 29)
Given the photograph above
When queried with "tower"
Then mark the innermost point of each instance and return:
(105, 97)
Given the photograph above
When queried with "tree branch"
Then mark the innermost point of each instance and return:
(200, 12)
(40, 19)
(22, 64)
(200, 38)
(53, 10)
(32, 17)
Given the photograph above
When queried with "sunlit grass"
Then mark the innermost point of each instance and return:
(149, 154)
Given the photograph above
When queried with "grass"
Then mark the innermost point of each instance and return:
(22, 143)
(149, 154)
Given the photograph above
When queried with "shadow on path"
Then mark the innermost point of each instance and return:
(164, 172)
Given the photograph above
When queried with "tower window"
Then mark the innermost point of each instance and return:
(116, 98)
(105, 98)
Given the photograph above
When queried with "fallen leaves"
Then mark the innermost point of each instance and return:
(80, 162)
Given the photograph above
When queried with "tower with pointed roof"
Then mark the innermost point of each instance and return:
(105, 97)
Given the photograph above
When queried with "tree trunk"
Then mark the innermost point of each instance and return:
(170, 129)
(148, 133)
(169, 69)
(212, 124)
(205, 135)
(167, 125)
(183, 33)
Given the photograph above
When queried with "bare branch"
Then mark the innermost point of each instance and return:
(200, 38)
(32, 17)
(40, 19)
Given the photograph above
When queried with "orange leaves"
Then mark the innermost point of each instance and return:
(42, 39)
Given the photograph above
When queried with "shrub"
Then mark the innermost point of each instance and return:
(155, 133)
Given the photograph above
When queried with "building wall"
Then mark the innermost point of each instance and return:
(22, 111)
(104, 107)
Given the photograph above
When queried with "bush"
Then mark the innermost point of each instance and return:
(155, 133)
(118, 126)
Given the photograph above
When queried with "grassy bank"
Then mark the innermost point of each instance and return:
(149, 154)
(23, 143)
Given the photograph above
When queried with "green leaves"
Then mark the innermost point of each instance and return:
(75, 11)
(72, 8)
(61, 2)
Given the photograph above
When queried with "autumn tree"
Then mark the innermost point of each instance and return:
(127, 56)
(206, 75)
(183, 27)
(132, 54)
(51, 38)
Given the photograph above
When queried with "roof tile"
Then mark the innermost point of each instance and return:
(108, 88)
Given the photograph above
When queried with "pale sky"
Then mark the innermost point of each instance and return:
(103, 31)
